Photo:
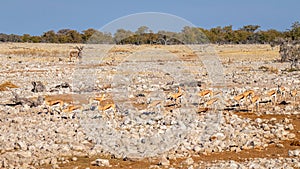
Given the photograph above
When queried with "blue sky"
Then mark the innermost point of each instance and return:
(38, 16)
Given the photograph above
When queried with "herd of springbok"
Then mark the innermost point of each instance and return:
(238, 100)
(250, 98)
(244, 100)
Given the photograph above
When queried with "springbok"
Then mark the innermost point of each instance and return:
(71, 108)
(97, 99)
(176, 96)
(77, 53)
(294, 95)
(248, 94)
(52, 104)
(239, 99)
(211, 102)
(206, 93)
(273, 94)
(255, 100)
(103, 104)
(281, 90)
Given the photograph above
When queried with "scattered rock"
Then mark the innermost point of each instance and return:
(294, 153)
(188, 162)
(101, 162)
(21, 145)
(291, 136)
(197, 149)
(289, 127)
(24, 154)
(233, 165)
(74, 159)
(258, 120)
(295, 143)
(55, 166)
(280, 145)
(164, 161)
(288, 108)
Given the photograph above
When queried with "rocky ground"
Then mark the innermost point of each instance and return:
(147, 129)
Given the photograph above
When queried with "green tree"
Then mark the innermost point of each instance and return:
(74, 37)
(142, 30)
(192, 35)
(14, 38)
(62, 35)
(216, 35)
(100, 38)
(228, 34)
(167, 37)
(268, 36)
(69, 36)
(36, 39)
(26, 38)
(3, 37)
(88, 33)
(250, 28)
(50, 37)
(121, 34)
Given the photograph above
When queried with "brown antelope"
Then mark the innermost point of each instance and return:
(77, 53)
(155, 103)
(176, 96)
(205, 93)
(96, 99)
(239, 98)
(51, 103)
(294, 94)
(107, 106)
(71, 108)
(281, 90)
(255, 100)
(103, 104)
(248, 94)
(273, 94)
(210, 102)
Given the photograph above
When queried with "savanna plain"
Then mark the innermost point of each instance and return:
(147, 106)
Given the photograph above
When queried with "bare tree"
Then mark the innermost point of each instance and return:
(290, 51)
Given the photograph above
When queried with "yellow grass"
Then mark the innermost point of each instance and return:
(247, 52)
(52, 52)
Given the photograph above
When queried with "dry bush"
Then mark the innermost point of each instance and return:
(268, 69)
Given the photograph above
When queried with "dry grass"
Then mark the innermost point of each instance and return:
(232, 53)
(32, 49)
(247, 52)
(32, 52)
(120, 50)
(35, 51)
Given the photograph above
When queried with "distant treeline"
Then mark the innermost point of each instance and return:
(249, 34)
